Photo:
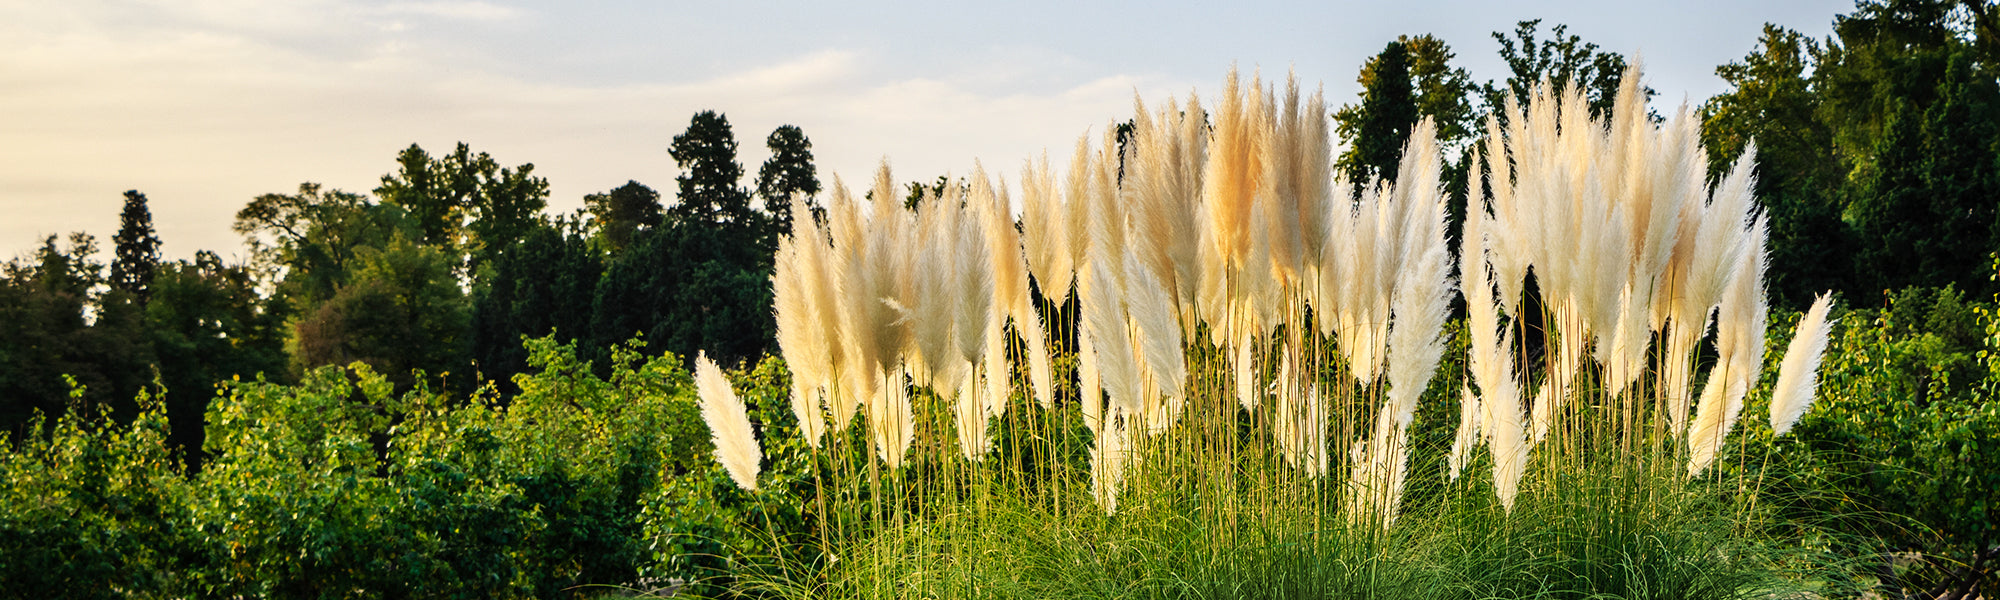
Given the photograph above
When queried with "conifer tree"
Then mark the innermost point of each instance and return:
(137, 248)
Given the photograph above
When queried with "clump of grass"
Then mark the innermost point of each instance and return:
(1251, 345)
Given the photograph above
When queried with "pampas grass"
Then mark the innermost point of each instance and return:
(728, 423)
(1793, 392)
(1247, 323)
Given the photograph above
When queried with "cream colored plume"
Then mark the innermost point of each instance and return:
(891, 424)
(854, 316)
(1467, 438)
(1162, 190)
(1229, 181)
(802, 300)
(1799, 373)
(1157, 338)
(1011, 299)
(1044, 230)
(1111, 456)
(1105, 325)
(728, 422)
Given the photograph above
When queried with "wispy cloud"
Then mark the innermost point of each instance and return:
(206, 104)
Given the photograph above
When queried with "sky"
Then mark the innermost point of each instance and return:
(205, 104)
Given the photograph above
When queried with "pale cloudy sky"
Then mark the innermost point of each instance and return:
(203, 104)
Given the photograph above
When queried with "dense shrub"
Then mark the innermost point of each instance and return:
(340, 487)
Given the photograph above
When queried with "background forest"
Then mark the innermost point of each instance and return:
(437, 388)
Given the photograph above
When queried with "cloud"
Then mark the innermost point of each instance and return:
(459, 10)
(203, 108)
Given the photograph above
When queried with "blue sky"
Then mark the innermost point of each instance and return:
(203, 104)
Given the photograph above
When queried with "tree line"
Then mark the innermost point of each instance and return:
(1878, 165)
(434, 278)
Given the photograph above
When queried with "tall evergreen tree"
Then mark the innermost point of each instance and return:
(1961, 175)
(709, 194)
(788, 171)
(137, 249)
(1892, 212)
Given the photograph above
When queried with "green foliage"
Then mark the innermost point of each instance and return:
(620, 214)
(465, 200)
(94, 509)
(1775, 102)
(1893, 455)
(400, 311)
(208, 325)
(342, 486)
(685, 288)
(542, 286)
(58, 321)
(1562, 61)
(1381, 124)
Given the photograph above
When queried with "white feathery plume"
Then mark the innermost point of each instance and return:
(1044, 234)
(1799, 373)
(1467, 437)
(1711, 425)
(1111, 455)
(970, 415)
(854, 314)
(976, 314)
(1104, 318)
(928, 308)
(1247, 392)
(801, 329)
(1151, 310)
(1089, 383)
(1078, 207)
(1280, 186)
(1229, 181)
(1010, 297)
(728, 422)
(891, 422)
(1739, 345)
(1423, 287)
(1491, 358)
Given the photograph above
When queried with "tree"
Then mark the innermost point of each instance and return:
(1891, 216)
(309, 240)
(789, 171)
(1773, 101)
(622, 213)
(709, 196)
(208, 325)
(544, 286)
(1961, 175)
(57, 327)
(137, 248)
(1561, 61)
(686, 288)
(465, 200)
(400, 310)
(1378, 127)
(1913, 112)
(434, 191)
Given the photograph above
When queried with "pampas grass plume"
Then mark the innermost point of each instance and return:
(1797, 376)
(729, 423)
